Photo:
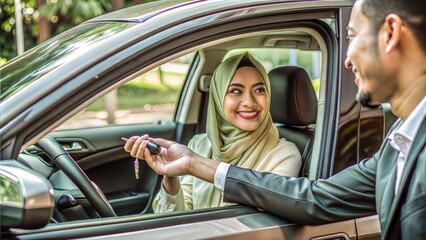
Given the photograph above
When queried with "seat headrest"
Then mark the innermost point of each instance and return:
(293, 99)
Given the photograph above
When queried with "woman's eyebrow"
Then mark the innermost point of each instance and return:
(258, 84)
(236, 85)
(242, 86)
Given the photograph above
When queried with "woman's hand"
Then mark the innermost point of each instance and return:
(173, 160)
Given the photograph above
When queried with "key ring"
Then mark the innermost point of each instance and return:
(136, 163)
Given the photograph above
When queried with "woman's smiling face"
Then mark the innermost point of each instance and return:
(246, 101)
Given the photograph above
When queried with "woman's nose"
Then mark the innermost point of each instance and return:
(249, 100)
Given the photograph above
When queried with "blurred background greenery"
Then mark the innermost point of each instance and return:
(155, 87)
(43, 19)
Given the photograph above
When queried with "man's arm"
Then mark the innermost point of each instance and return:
(348, 194)
(203, 168)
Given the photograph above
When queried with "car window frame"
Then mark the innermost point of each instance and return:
(328, 77)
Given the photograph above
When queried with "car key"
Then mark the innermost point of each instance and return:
(153, 148)
(136, 162)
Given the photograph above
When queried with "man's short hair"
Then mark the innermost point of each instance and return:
(412, 12)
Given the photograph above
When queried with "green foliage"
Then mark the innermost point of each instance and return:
(61, 14)
(65, 14)
(8, 25)
(316, 85)
(131, 100)
(271, 58)
(2, 61)
(138, 89)
(73, 12)
(9, 192)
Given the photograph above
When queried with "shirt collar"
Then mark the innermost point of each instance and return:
(403, 137)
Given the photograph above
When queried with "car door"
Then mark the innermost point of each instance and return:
(93, 137)
(99, 150)
(359, 135)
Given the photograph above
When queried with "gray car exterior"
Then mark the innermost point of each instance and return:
(55, 80)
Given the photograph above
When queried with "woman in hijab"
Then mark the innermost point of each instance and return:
(239, 130)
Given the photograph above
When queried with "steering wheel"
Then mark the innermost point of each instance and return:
(66, 163)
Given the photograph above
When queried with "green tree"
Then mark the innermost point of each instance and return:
(8, 29)
(43, 19)
(65, 14)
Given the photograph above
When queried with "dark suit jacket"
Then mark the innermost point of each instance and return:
(361, 190)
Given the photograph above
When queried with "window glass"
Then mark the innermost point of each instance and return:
(310, 60)
(148, 98)
(23, 71)
(332, 23)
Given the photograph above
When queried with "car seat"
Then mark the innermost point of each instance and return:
(294, 109)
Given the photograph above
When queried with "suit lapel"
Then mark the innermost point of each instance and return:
(386, 179)
(387, 184)
(417, 146)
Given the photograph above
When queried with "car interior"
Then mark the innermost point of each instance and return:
(294, 102)
(294, 108)
(157, 83)
(96, 184)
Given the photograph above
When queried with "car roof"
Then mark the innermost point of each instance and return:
(143, 12)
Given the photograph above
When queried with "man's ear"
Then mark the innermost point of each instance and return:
(392, 30)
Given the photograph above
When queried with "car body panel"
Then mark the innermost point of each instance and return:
(146, 41)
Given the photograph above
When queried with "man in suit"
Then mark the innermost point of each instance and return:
(387, 54)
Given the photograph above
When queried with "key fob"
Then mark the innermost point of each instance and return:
(153, 148)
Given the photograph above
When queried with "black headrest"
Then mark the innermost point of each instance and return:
(293, 99)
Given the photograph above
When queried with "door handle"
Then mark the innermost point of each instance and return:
(336, 236)
(74, 146)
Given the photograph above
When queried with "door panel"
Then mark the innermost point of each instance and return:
(340, 230)
(368, 228)
(99, 152)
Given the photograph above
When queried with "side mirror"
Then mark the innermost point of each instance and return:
(26, 197)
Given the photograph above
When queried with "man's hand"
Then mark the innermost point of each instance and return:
(173, 160)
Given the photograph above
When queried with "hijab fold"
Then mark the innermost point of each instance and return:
(226, 142)
(258, 149)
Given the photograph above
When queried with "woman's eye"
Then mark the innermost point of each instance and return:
(260, 90)
(235, 91)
